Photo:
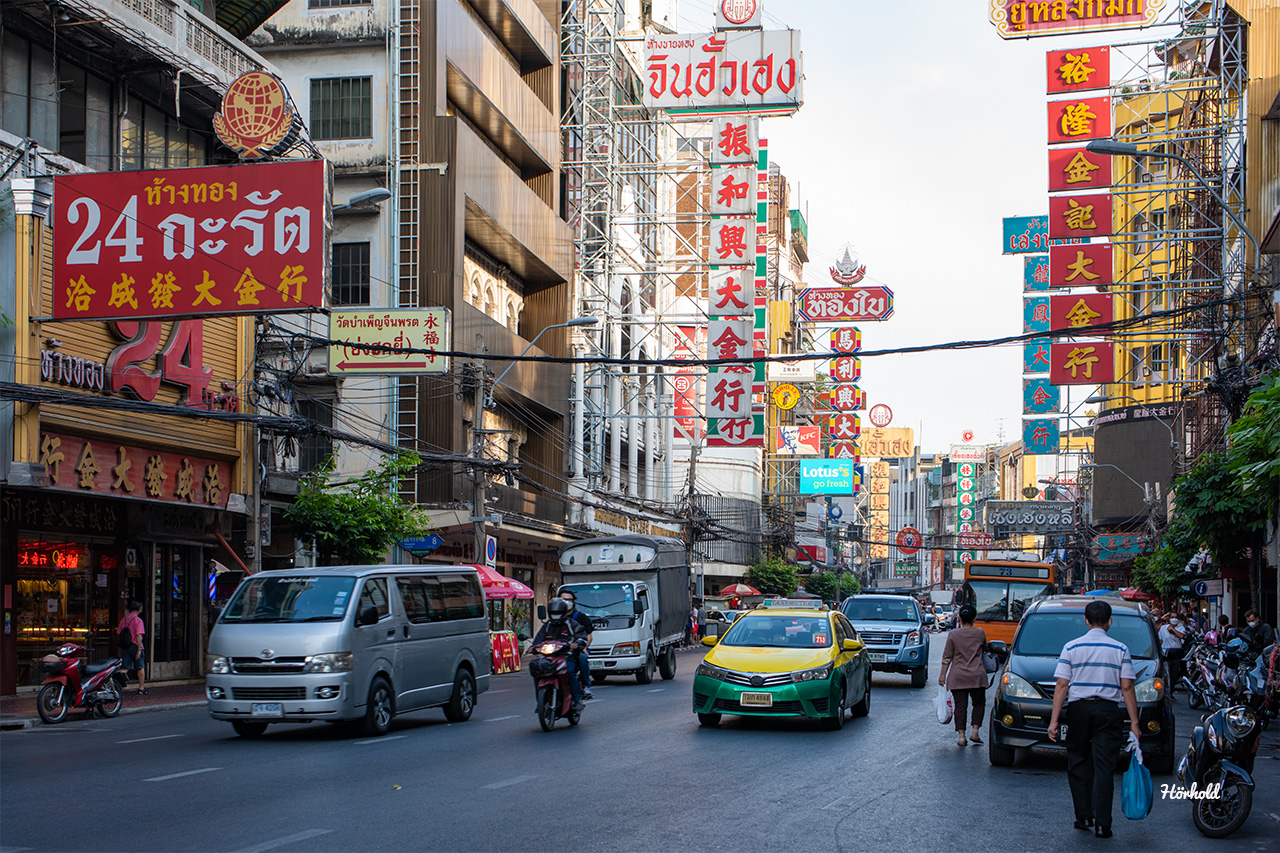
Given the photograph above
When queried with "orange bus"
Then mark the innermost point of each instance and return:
(1001, 591)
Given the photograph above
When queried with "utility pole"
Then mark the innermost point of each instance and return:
(478, 517)
(693, 512)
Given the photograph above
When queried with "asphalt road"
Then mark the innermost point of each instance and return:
(637, 774)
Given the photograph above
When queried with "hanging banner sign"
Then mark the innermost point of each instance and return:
(1082, 363)
(1081, 266)
(845, 427)
(1079, 120)
(1087, 215)
(1077, 69)
(1035, 314)
(735, 141)
(847, 398)
(1035, 356)
(1039, 397)
(799, 441)
(845, 304)
(1028, 234)
(1080, 311)
(1015, 19)
(736, 432)
(1006, 517)
(245, 239)
(846, 341)
(846, 368)
(1076, 168)
(1040, 437)
(1035, 273)
(725, 73)
(372, 338)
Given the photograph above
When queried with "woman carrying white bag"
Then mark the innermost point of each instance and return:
(964, 675)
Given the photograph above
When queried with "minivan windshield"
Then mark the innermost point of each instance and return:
(296, 598)
(880, 610)
(1044, 634)
(608, 605)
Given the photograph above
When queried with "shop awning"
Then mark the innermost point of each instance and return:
(241, 17)
(498, 586)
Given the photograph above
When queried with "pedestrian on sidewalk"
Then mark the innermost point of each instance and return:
(131, 652)
(964, 675)
(1094, 675)
(1171, 635)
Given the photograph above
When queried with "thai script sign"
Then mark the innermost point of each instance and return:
(708, 74)
(1010, 517)
(826, 477)
(376, 341)
(243, 239)
(975, 540)
(1017, 19)
(1028, 234)
(888, 442)
(846, 304)
(968, 453)
(123, 471)
(1119, 547)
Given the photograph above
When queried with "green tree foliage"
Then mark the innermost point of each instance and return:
(1254, 439)
(1162, 573)
(357, 522)
(772, 576)
(829, 586)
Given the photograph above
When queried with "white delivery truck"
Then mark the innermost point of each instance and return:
(635, 589)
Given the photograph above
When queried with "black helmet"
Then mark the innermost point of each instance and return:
(557, 609)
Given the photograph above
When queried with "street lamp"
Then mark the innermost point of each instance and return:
(576, 321)
(368, 197)
(1128, 149)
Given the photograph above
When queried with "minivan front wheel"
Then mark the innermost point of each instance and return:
(379, 710)
(463, 700)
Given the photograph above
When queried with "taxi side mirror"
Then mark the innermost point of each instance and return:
(710, 641)
(852, 645)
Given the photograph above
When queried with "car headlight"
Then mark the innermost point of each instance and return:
(821, 673)
(624, 649)
(1149, 690)
(713, 672)
(1240, 721)
(218, 665)
(1017, 687)
(337, 662)
(913, 639)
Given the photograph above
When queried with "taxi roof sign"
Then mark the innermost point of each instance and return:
(792, 603)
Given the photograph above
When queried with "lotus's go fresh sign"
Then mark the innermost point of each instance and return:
(826, 476)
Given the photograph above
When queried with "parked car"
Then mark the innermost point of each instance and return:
(893, 629)
(1024, 692)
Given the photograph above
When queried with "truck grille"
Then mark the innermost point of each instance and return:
(275, 666)
(881, 638)
(268, 694)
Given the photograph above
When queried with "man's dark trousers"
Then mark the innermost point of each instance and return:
(1095, 733)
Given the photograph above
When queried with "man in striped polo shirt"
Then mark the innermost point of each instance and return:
(1094, 674)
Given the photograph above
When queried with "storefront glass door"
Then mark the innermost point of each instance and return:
(172, 620)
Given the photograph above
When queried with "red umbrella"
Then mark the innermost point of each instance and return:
(1132, 593)
(499, 586)
(739, 589)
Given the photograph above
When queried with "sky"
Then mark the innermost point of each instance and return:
(920, 131)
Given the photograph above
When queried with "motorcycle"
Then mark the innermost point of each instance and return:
(65, 685)
(1217, 769)
(550, 671)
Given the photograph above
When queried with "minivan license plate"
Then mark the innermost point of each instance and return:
(876, 657)
(759, 700)
(266, 709)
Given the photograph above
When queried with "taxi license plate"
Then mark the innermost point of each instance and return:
(266, 709)
(758, 700)
(876, 657)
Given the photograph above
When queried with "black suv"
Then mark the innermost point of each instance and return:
(1024, 688)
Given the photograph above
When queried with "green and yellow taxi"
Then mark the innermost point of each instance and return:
(786, 658)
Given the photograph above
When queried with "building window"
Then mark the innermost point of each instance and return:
(315, 448)
(350, 274)
(342, 108)
(329, 4)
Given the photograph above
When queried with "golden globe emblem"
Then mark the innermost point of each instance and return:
(256, 118)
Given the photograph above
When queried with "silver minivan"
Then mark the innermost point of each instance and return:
(349, 643)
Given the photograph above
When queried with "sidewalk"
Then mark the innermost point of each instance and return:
(19, 712)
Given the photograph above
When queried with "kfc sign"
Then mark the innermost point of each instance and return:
(208, 241)
(725, 73)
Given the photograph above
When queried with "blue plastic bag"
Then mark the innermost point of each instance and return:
(1136, 791)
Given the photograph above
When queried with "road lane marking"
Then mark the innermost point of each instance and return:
(382, 739)
(503, 690)
(141, 739)
(281, 842)
(900, 760)
(656, 690)
(497, 719)
(508, 782)
(832, 803)
(180, 775)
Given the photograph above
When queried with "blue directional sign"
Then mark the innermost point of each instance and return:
(421, 543)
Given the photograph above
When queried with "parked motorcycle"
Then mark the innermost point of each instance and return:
(65, 685)
(1218, 767)
(550, 671)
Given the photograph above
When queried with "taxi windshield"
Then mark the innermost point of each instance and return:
(792, 632)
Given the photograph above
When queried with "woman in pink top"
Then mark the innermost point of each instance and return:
(963, 673)
(132, 653)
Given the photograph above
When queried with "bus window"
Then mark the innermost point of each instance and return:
(989, 598)
(1021, 595)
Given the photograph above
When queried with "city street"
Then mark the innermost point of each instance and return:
(638, 774)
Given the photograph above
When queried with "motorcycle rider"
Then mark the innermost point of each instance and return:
(584, 663)
(1257, 634)
(560, 627)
